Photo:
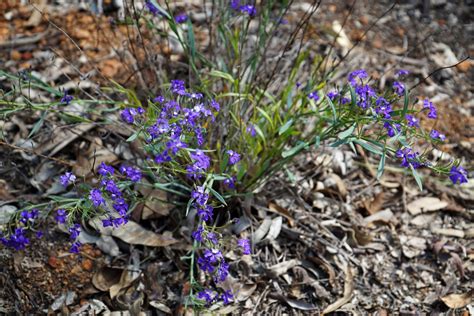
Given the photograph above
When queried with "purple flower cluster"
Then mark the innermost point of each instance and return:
(458, 174)
(427, 105)
(133, 174)
(434, 134)
(66, 99)
(67, 179)
(17, 240)
(313, 96)
(409, 158)
(399, 88)
(181, 18)
(128, 114)
(245, 8)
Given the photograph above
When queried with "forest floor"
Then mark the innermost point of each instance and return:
(331, 238)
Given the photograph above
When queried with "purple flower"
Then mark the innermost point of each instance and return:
(437, 135)
(197, 235)
(249, 9)
(39, 234)
(162, 158)
(458, 174)
(177, 87)
(233, 157)
(26, 216)
(105, 170)
(61, 216)
(151, 7)
(67, 178)
(175, 146)
(235, 4)
(230, 182)
(201, 161)
(399, 88)
(402, 72)
(357, 74)
(66, 99)
(205, 212)
(96, 197)
(412, 121)
(383, 107)
(205, 265)
(159, 99)
(409, 158)
(17, 240)
(112, 188)
(365, 92)
(213, 255)
(432, 113)
(313, 96)
(245, 245)
(128, 115)
(332, 95)
(134, 174)
(212, 237)
(222, 272)
(75, 247)
(181, 18)
(251, 130)
(200, 196)
(215, 105)
(345, 100)
(75, 230)
(391, 128)
(227, 297)
(206, 295)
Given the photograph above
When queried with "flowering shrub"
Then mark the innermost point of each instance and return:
(228, 134)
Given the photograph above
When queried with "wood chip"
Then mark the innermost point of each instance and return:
(448, 232)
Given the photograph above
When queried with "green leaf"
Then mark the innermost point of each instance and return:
(133, 137)
(353, 96)
(191, 41)
(285, 127)
(217, 195)
(368, 146)
(38, 124)
(333, 108)
(348, 132)
(223, 75)
(405, 103)
(381, 166)
(417, 177)
(293, 151)
(267, 117)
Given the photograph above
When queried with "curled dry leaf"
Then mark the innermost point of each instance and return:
(458, 300)
(106, 277)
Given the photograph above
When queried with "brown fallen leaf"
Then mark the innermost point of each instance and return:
(106, 277)
(425, 204)
(282, 267)
(375, 205)
(458, 300)
(281, 211)
(134, 234)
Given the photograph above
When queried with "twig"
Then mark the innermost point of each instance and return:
(31, 151)
(437, 70)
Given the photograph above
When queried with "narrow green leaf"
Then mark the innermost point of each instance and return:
(285, 127)
(133, 137)
(333, 108)
(405, 103)
(217, 195)
(417, 177)
(368, 146)
(348, 132)
(381, 166)
(38, 124)
(293, 151)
